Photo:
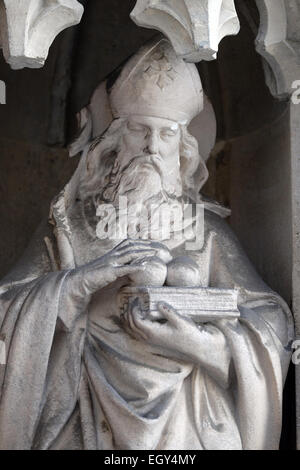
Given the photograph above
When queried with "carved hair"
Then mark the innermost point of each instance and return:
(193, 169)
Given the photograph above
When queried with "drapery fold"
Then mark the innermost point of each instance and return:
(75, 383)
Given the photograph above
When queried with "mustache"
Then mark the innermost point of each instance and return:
(126, 173)
(127, 178)
(155, 160)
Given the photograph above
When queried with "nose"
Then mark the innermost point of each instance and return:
(153, 143)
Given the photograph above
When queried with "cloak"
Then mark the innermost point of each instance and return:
(74, 379)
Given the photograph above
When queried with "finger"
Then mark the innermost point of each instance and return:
(169, 312)
(134, 255)
(121, 271)
(159, 246)
(160, 249)
(142, 244)
(122, 244)
(129, 243)
(142, 324)
(131, 328)
(153, 332)
(137, 331)
(127, 327)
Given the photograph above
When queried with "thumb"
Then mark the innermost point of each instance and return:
(168, 312)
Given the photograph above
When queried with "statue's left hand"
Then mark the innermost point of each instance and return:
(179, 336)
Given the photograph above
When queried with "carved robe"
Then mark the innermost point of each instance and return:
(75, 380)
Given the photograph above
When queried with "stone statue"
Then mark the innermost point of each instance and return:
(85, 372)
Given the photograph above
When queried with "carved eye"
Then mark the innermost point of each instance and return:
(134, 127)
(168, 132)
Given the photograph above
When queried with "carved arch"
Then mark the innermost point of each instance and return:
(28, 28)
(276, 42)
(195, 28)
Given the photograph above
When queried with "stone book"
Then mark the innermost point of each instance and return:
(202, 304)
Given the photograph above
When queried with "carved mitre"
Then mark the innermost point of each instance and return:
(155, 82)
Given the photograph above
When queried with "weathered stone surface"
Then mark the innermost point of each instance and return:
(141, 379)
(28, 28)
(278, 43)
(195, 28)
(241, 108)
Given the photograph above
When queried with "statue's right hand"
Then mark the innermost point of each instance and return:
(88, 279)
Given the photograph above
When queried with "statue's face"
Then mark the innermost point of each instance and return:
(144, 167)
(145, 135)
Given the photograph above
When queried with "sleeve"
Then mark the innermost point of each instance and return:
(39, 382)
(259, 342)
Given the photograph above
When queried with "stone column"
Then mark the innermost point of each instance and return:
(279, 43)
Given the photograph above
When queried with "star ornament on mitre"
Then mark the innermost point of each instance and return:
(155, 82)
(160, 71)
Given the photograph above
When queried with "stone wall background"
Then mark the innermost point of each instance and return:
(249, 168)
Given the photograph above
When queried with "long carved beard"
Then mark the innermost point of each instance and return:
(143, 185)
